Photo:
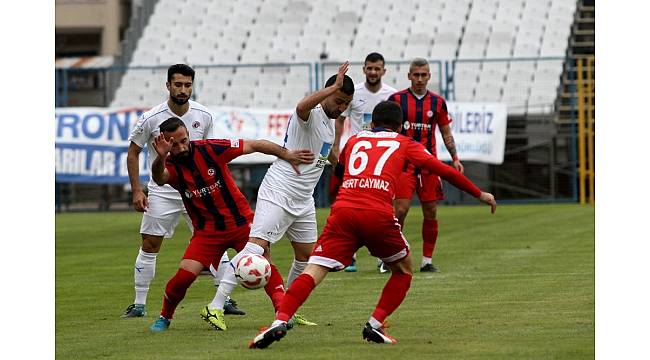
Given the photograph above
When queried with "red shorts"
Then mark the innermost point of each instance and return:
(208, 248)
(348, 229)
(428, 186)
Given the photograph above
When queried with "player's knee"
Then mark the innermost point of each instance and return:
(263, 244)
(302, 251)
(430, 210)
(401, 211)
(151, 243)
(403, 266)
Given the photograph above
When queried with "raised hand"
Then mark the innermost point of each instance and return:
(488, 198)
(162, 146)
(341, 74)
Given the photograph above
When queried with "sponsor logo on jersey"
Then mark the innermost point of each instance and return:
(318, 249)
(416, 126)
(324, 153)
(367, 118)
(207, 190)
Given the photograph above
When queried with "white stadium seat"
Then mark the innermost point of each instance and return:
(214, 32)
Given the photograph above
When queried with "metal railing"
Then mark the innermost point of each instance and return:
(540, 166)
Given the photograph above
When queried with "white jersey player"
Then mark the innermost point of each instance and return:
(163, 206)
(284, 203)
(366, 95)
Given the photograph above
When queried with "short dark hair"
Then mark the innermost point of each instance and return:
(182, 69)
(374, 57)
(387, 114)
(348, 84)
(171, 124)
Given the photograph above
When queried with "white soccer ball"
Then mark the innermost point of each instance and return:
(253, 271)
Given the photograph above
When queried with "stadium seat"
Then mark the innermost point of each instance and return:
(284, 31)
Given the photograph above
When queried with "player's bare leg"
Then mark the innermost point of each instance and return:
(402, 207)
(297, 294)
(429, 235)
(392, 296)
(145, 269)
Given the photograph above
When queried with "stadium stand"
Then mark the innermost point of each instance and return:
(484, 40)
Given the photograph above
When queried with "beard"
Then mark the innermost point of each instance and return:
(179, 101)
(182, 156)
(332, 114)
(373, 81)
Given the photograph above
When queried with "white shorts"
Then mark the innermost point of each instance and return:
(162, 216)
(272, 221)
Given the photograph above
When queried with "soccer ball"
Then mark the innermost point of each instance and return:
(253, 271)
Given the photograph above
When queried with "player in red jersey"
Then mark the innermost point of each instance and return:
(219, 212)
(362, 215)
(422, 110)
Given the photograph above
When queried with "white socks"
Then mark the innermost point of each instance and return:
(426, 260)
(296, 269)
(218, 273)
(145, 269)
(229, 281)
(374, 323)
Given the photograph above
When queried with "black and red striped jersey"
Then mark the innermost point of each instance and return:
(212, 199)
(421, 116)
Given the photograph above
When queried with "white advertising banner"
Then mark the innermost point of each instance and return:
(479, 131)
(91, 143)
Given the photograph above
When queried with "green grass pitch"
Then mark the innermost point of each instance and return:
(515, 285)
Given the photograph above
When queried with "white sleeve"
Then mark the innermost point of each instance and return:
(141, 132)
(209, 128)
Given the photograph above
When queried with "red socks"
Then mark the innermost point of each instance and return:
(392, 296)
(275, 287)
(429, 236)
(296, 295)
(175, 292)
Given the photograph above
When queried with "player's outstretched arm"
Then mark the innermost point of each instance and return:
(417, 154)
(293, 157)
(488, 198)
(133, 168)
(450, 144)
(310, 101)
(158, 172)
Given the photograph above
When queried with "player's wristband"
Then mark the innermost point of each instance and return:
(455, 158)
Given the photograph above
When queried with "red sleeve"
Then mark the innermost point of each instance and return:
(420, 157)
(173, 175)
(443, 115)
(226, 149)
(337, 175)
